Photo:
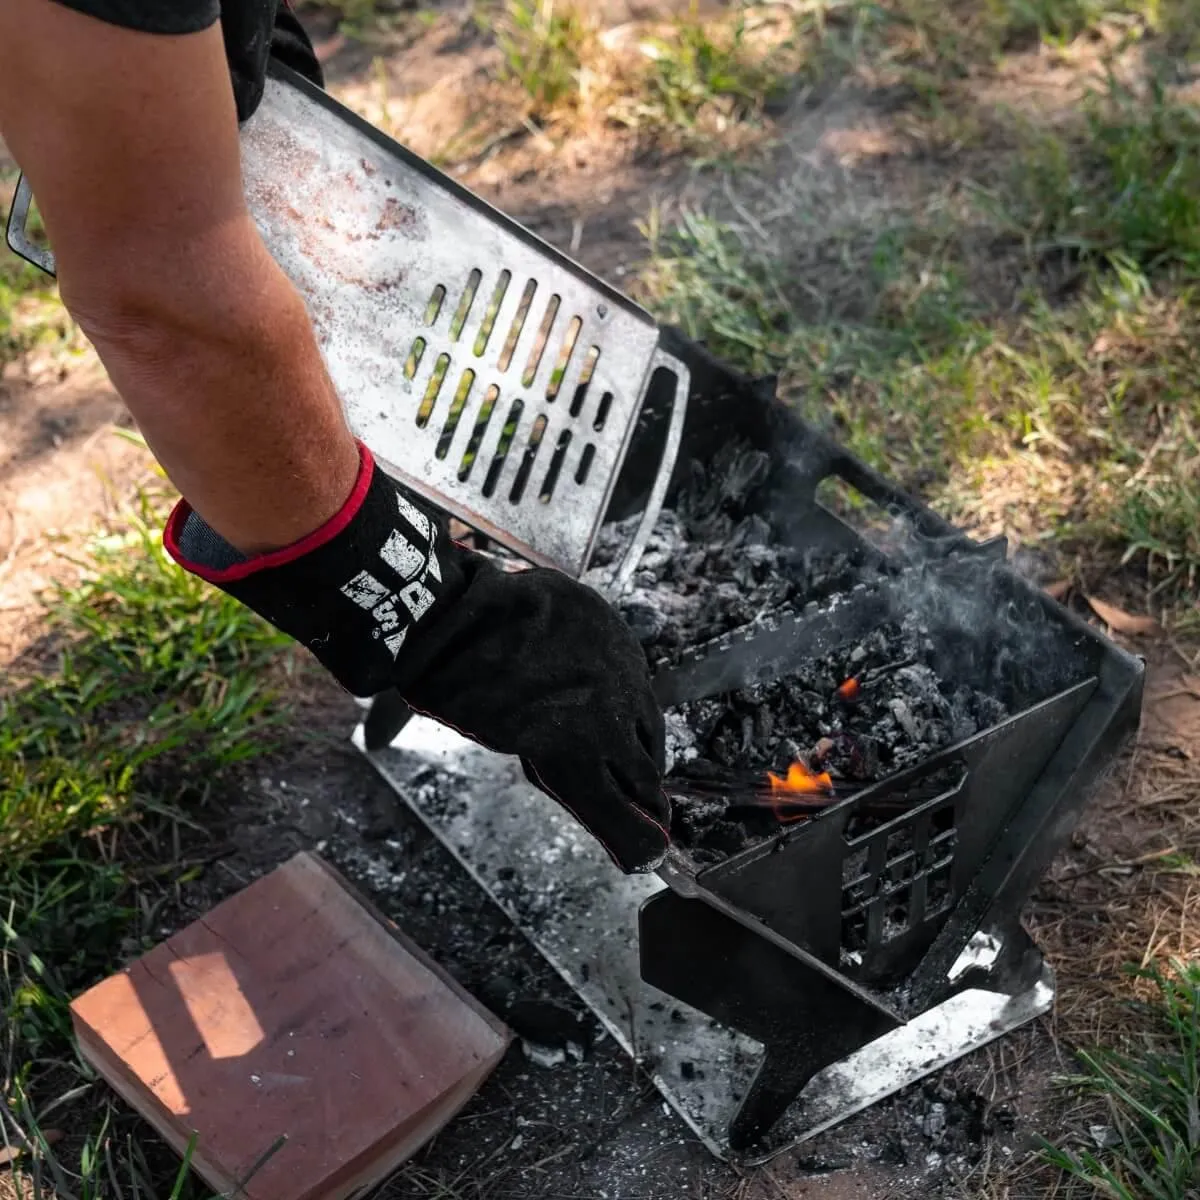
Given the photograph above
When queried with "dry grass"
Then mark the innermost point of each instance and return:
(548, 70)
(1130, 892)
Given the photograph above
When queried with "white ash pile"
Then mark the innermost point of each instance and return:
(712, 564)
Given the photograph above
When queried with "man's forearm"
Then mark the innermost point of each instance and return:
(218, 364)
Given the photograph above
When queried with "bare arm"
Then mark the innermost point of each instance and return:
(130, 143)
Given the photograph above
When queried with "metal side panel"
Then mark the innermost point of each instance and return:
(495, 377)
(558, 887)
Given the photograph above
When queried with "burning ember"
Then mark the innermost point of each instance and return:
(800, 779)
(849, 690)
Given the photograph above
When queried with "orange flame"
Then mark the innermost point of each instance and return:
(800, 779)
(849, 690)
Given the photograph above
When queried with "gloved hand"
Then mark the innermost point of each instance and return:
(531, 663)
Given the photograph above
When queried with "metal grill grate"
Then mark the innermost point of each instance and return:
(471, 406)
(495, 376)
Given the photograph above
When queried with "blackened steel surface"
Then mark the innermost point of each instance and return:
(1041, 822)
(804, 1018)
(871, 903)
(766, 651)
(1023, 782)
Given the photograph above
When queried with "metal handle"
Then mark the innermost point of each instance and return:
(666, 468)
(18, 239)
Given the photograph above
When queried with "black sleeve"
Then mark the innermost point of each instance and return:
(151, 16)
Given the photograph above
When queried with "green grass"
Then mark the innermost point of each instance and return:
(1078, 417)
(956, 38)
(150, 691)
(1129, 184)
(1151, 1091)
(153, 663)
(30, 313)
(704, 76)
(705, 67)
(544, 45)
(926, 384)
(359, 18)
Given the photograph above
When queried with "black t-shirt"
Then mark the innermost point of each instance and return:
(254, 30)
(153, 16)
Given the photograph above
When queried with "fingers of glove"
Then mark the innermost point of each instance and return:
(633, 839)
(639, 781)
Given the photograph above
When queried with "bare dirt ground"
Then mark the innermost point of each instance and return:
(597, 1128)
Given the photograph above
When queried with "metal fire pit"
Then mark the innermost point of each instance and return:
(767, 995)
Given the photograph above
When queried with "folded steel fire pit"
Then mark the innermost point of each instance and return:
(874, 759)
(880, 733)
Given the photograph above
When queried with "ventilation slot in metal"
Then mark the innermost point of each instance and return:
(543, 336)
(491, 313)
(585, 463)
(555, 468)
(429, 400)
(602, 412)
(476, 438)
(585, 379)
(564, 358)
(414, 358)
(460, 400)
(433, 309)
(531, 451)
(518, 325)
(464, 305)
(507, 434)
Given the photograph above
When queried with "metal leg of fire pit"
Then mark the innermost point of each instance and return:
(386, 717)
(802, 1017)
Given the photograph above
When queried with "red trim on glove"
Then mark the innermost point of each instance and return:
(276, 558)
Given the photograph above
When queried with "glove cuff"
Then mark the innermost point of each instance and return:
(355, 591)
(198, 548)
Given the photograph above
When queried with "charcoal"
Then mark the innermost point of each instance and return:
(903, 713)
(712, 564)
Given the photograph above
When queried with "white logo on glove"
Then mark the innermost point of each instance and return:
(411, 565)
(402, 556)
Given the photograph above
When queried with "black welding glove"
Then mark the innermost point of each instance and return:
(530, 663)
(254, 31)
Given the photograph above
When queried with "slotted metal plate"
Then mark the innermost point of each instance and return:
(491, 373)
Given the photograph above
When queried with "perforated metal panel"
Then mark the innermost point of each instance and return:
(485, 369)
(897, 879)
(494, 375)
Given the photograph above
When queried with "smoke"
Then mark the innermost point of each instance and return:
(993, 629)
